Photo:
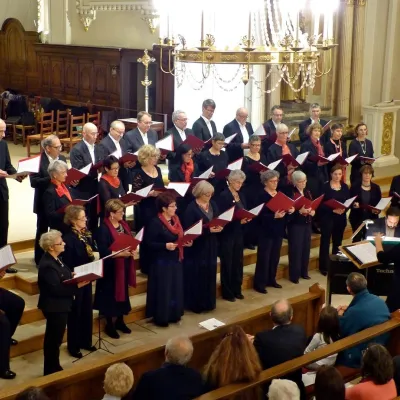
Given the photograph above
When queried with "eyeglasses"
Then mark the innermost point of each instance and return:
(57, 147)
(182, 119)
(119, 212)
(210, 109)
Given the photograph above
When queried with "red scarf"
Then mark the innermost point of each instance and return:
(176, 229)
(112, 180)
(119, 264)
(317, 145)
(61, 190)
(286, 150)
(341, 153)
(187, 169)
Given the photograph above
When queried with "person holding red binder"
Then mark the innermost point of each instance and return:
(333, 221)
(336, 145)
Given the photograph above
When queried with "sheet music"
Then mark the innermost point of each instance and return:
(86, 170)
(166, 143)
(30, 165)
(211, 324)
(145, 191)
(139, 235)
(7, 257)
(302, 157)
(349, 202)
(227, 215)
(333, 156)
(196, 229)
(230, 138)
(257, 210)
(365, 252)
(95, 267)
(383, 203)
(236, 164)
(274, 164)
(260, 131)
(206, 174)
(180, 187)
(350, 159)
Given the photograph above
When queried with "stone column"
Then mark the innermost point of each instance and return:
(60, 27)
(345, 57)
(357, 62)
(256, 98)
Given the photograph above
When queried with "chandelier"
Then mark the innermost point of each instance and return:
(286, 36)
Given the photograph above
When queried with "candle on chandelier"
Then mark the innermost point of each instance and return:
(202, 26)
(316, 24)
(249, 32)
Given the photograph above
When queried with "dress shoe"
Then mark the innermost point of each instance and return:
(231, 299)
(110, 331)
(8, 375)
(75, 354)
(296, 281)
(90, 348)
(324, 273)
(276, 285)
(259, 290)
(239, 296)
(11, 271)
(120, 326)
(306, 277)
(14, 342)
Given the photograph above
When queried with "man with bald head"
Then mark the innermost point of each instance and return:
(284, 342)
(238, 147)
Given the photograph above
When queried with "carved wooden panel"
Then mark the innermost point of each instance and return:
(71, 77)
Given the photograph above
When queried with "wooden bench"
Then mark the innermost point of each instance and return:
(82, 382)
(392, 326)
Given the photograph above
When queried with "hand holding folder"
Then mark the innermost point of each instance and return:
(337, 205)
(136, 196)
(307, 203)
(241, 213)
(26, 166)
(222, 219)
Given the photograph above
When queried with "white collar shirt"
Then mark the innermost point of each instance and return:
(182, 133)
(245, 135)
(144, 136)
(208, 123)
(91, 150)
(118, 151)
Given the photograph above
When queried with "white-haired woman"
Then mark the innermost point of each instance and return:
(231, 238)
(57, 195)
(299, 230)
(200, 262)
(118, 381)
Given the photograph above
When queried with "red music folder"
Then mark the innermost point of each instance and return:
(125, 241)
(383, 203)
(334, 204)
(74, 174)
(222, 219)
(260, 167)
(231, 167)
(288, 159)
(87, 272)
(367, 160)
(280, 202)
(307, 203)
(193, 232)
(345, 161)
(165, 145)
(128, 157)
(241, 213)
(195, 143)
(136, 196)
(202, 177)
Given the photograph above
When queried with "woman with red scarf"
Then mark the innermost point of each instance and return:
(57, 195)
(165, 303)
(336, 145)
(112, 294)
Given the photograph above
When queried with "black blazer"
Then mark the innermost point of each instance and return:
(177, 140)
(135, 141)
(200, 129)
(270, 131)
(275, 153)
(55, 296)
(234, 147)
(51, 203)
(169, 382)
(395, 187)
(40, 182)
(75, 253)
(303, 131)
(5, 165)
(80, 157)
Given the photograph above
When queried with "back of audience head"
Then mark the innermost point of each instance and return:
(329, 384)
(178, 350)
(118, 380)
(377, 364)
(32, 393)
(328, 324)
(356, 283)
(281, 312)
(283, 389)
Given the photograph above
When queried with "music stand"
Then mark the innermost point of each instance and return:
(100, 341)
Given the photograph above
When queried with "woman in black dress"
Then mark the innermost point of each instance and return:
(217, 158)
(165, 301)
(200, 262)
(336, 145)
(333, 222)
(112, 291)
(361, 146)
(148, 174)
(231, 238)
(79, 248)
(368, 193)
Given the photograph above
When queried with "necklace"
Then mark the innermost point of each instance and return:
(363, 147)
(334, 187)
(205, 207)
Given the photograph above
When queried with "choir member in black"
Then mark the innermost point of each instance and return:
(299, 230)
(315, 112)
(251, 187)
(165, 302)
(204, 128)
(148, 174)
(112, 291)
(217, 158)
(57, 196)
(183, 170)
(336, 145)
(270, 128)
(361, 146)
(271, 230)
(78, 251)
(231, 238)
(55, 297)
(368, 193)
(333, 222)
(279, 149)
(395, 188)
(11, 309)
(199, 272)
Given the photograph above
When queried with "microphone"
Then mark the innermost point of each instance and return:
(364, 223)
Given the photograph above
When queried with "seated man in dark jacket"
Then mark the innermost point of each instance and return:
(174, 380)
(364, 311)
(284, 342)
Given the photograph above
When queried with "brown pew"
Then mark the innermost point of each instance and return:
(392, 326)
(84, 382)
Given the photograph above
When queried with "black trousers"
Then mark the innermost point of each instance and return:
(331, 227)
(231, 256)
(42, 226)
(268, 254)
(80, 320)
(299, 238)
(3, 222)
(55, 328)
(12, 307)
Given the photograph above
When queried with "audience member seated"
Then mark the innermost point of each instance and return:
(364, 311)
(118, 381)
(329, 384)
(396, 373)
(377, 381)
(32, 393)
(283, 389)
(284, 342)
(174, 380)
(223, 367)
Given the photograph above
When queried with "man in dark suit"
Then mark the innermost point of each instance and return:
(141, 135)
(240, 143)
(114, 142)
(388, 225)
(270, 127)
(315, 111)
(204, 128)
(284, 342)
(174, 380)
(52, 148)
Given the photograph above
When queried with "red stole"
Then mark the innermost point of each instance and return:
(187, 169)
(176, 229)
(112, 180)
(62, 190)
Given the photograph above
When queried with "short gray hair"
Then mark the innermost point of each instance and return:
(176, 113)
(179, 350)
(267, 175)
(281, 128)
(48, 239)
(201, 188)
(276, 107)
(356, 282)
(236, 175)
(254, 138)
(281, 312)
(298, 176)
(283, 389)
(314, 105)
(48, 141)
(209, 103)
(115, 124)
(56, 166)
